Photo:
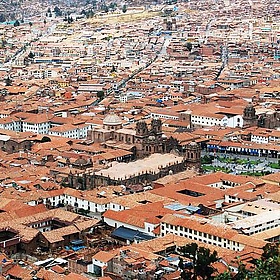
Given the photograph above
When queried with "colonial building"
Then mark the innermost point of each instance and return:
(143, 141)
(149, 141)
(157, 154)
(249, 116)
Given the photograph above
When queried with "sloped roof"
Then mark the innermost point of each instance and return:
(130, 234)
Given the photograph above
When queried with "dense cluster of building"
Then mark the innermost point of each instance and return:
(103, 124)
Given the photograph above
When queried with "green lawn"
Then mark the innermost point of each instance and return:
(274, 165)
(207, 159)
(238, 161)
(257, 173)
(215, 168)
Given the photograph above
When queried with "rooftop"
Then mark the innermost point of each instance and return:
(153, 163)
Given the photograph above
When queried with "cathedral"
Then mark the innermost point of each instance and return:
(144, 140)
(271, 119)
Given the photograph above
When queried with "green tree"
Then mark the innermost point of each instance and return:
(89, 14)
(270, 250)
(114, 69)
(223, 276)
(124, 8)
(45, 139)
(16, 23)
(2, 18)
(100, 94)
(31, 55)
(30, 23)
(94, 3)
(268, 267)
(113, 6)
(57, 11)
(189, 46)
(242, 272)
(202, 260)
(8, 81)
(105, 8)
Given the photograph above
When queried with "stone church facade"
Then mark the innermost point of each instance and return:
(144, 140)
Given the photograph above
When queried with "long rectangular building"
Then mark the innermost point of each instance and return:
(140, 171)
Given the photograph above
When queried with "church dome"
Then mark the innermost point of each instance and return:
(81, 161)
(112, 119)
(193, 144)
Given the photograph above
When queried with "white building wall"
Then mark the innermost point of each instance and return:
(260, 139)
(235, 121)
(164, 116)
(117, 224)
(77, 133)
(117, 207)
(39, 128)
(14, 126)
(201, 236)
(76, 202)
(205, 121)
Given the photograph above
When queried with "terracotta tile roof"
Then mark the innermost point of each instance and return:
(22, 226)
(58, 269)
(273, 177)
(179, 192)
(57, 235)
(221, 176)
(172, 276)
(136, 199)
(215, 229)
(58, 214)
(85, 225)
(49, 275)
(18, 272)
(137, 216)
(75, 276)
(27, 210)
(250, 191)
(105, 257)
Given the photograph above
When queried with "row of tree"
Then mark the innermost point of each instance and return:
(201, 265)
(112, 6)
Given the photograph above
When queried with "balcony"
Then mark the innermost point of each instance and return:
(10, 242)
